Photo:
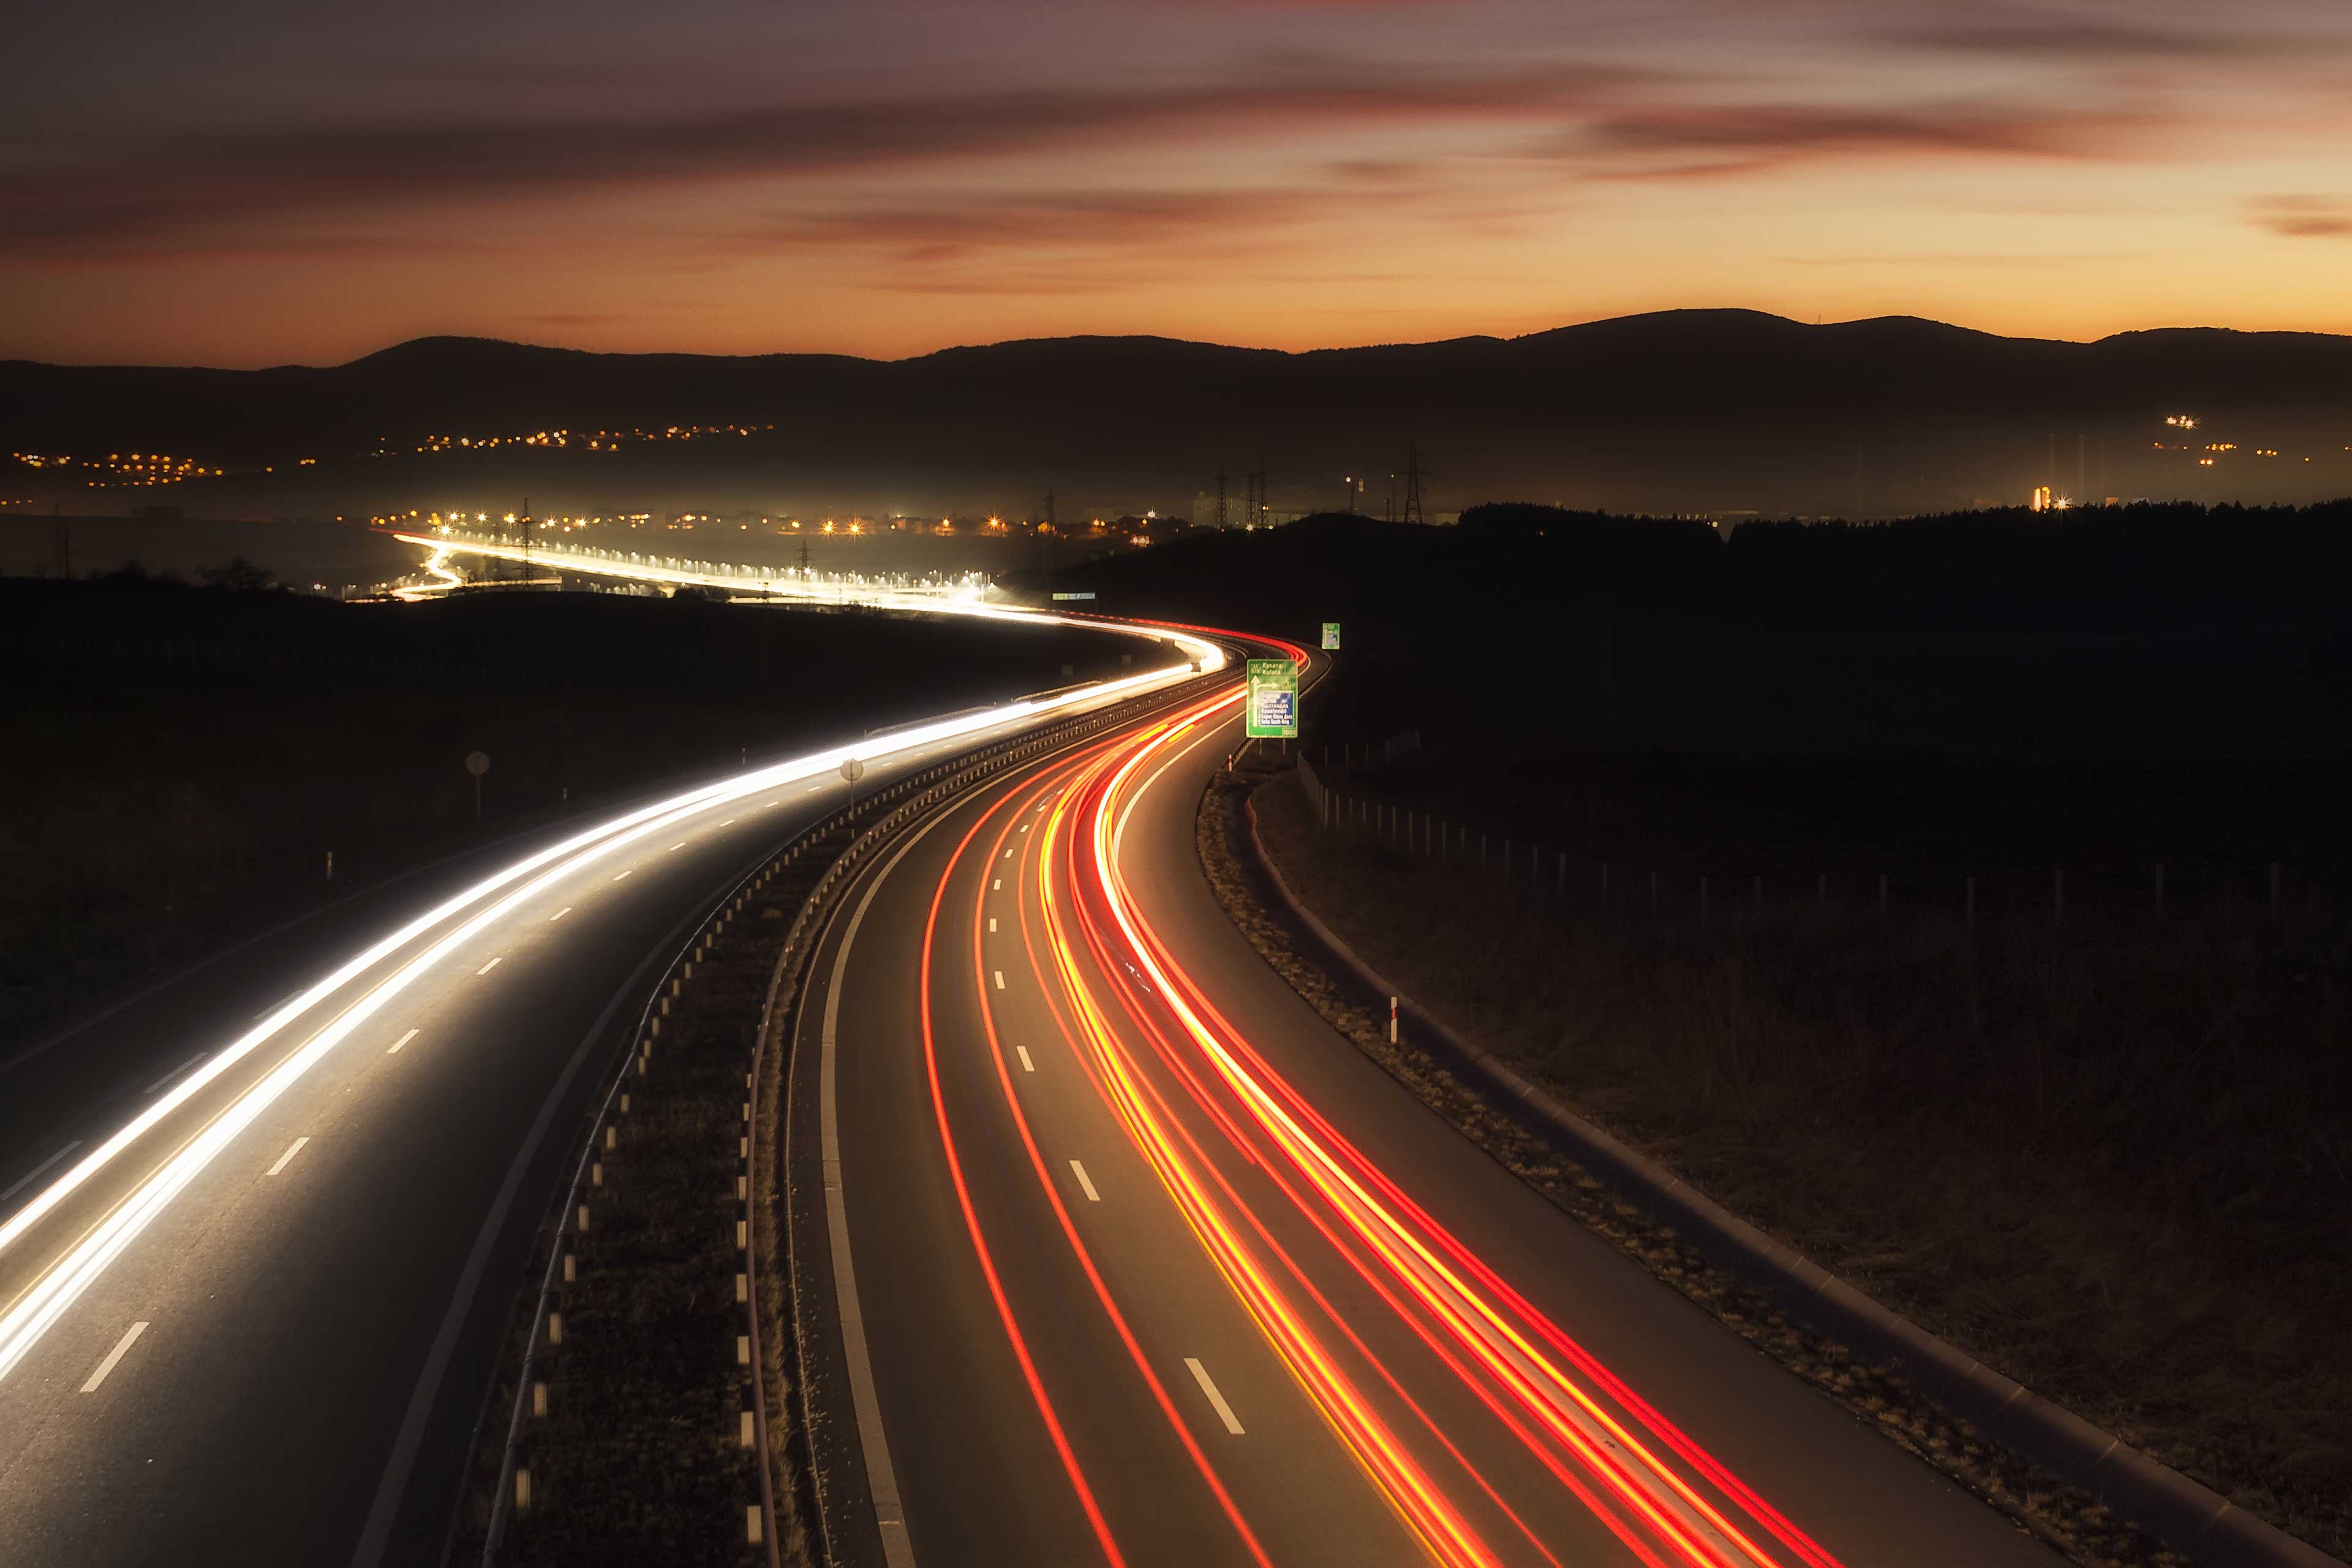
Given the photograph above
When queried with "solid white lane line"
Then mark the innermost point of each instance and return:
(273, 1008)
(999, 980)
(290, 1153)
(1026, 1065)
(882, 1477)
(1084, 1184)
(400, 1042)
(625, 873)
(559, 914)
(176, 1072)
(130, 1337)
(492, 965)
(1225, 1411)
(21, 1183)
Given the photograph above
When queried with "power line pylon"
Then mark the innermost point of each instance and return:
(1413, 475)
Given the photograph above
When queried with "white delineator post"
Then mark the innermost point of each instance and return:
(1393, 1020)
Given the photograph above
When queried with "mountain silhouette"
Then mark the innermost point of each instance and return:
(1697, 409)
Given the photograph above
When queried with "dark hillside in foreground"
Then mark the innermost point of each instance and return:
(181, 760)
(2129, 686)
(1688, 410)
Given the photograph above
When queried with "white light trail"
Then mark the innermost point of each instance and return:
(32, 1313)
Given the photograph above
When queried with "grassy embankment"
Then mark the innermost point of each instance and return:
(181, 761)
(2107, 1157)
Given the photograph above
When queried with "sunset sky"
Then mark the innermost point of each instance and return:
(252, 182)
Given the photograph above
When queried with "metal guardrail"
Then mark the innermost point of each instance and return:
(930, 787)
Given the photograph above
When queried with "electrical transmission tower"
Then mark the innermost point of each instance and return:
(526, 539)
(1412, 476)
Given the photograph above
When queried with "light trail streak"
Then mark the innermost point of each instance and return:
(41, 1304)
(1660, 1493)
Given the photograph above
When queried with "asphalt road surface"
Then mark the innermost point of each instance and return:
(1123, 1254)
(256, 1249)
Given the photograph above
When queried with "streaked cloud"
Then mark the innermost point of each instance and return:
(2305, 216)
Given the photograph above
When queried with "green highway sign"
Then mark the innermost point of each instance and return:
(1273, 712)
(1331, 633)
(1062, 596)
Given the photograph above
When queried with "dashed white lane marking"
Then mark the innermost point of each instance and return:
(1024, 828)
(999, 980)
(1026, 1065)
(1008, 854)
(559, 914)
(999, 886)
(291, 1153)
(772, 803)
(21, 1183)
(176, 1072)
(492, 965)
(400, 1042)
(1225, 1411)
(625, 873)
(1086, 1184)
(991, 923)
(676, 847)
(729, 823)
(130, 1337)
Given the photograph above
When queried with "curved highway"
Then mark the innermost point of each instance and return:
(1114, 1252)
(256, 1249)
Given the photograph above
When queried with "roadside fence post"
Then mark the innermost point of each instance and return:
(1393, 1020)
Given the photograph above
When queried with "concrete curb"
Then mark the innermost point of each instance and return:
(2191, 1519)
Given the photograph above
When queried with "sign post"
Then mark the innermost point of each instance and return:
(477, 764)
(852, 769)
(1273, 711)
(1331, 635)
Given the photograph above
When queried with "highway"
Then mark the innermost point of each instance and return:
(1110, 1250)
(263, 1225)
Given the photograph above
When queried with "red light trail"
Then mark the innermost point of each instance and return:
(1190, 1090)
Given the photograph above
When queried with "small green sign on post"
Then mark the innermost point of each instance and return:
(1330, 634)
(1273, 712)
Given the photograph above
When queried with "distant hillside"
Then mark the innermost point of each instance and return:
(1694, 409)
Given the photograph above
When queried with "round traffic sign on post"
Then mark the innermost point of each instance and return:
(477, 764)
(851, 769)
